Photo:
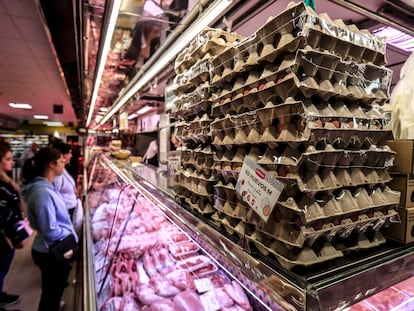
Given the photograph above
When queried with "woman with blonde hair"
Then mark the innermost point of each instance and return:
(12, 229)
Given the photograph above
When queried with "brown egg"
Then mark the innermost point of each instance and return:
(282, 171)
(261, 86)
(336, 123)
(266, 210)
(319, 123)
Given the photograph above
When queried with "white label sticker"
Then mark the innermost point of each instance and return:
(258, 188)
(209, 301)
(203, 285)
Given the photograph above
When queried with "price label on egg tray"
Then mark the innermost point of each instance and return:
(258, 188)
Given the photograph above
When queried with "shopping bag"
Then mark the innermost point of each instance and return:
(65, 248)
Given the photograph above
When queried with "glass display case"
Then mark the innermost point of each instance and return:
(139, 191)
(145, 252)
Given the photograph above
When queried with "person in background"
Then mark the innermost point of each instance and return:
(73, 167)
(64, 183)
(28, 153)
(151, 155)
(49, 217)
(12, 230)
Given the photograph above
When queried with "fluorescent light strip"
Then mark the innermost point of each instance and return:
(101, 65)
(396, 38)
(144, 109)
(20, 106)
(53, 123)
(40, 117)
(132, 116)
(206, 19)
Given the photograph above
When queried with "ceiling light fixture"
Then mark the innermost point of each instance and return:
(132, 116)
(210, 14)
(108, 32)
(40, 117)
(396, 38)
(144, 110)
(20, 106)
(53, 123)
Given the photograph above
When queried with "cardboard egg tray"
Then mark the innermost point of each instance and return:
(305, 210)
(323, 180)
(311, 159)
(232, 225)
(197, 203)
(200, 184)
(235, 209)
(327, 179)
(197, 130)
(247, 129)
(209, 42)
(188, 80)
(298, 236)
(201, 158)
(181, 130)
(293, 29)
(289, 257)
(321, 73)
(194, 103)
(348, 42)
(202, 205)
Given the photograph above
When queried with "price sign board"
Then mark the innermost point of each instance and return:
(258, 188)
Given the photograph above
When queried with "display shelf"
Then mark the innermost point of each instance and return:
(19, 142)
(105, 174)
(334, 285)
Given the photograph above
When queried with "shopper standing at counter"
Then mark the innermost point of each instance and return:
(49, 216)
(64, 183)
(12, 230)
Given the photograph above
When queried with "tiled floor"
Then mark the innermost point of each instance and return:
(24, 279)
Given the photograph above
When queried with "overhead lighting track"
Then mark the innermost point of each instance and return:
(175, 43)
(373, 15)
(108, 31)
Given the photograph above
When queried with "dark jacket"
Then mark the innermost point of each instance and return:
(10, 215)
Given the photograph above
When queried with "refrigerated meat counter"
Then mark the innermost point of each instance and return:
(135, 227)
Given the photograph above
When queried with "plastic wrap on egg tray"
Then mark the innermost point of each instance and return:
(305, 210)
(228, 163)
(249, 52)
(375, 157)
(290, 123)
(202, 159)
(295, 28)
(308, 72)
(200, 184)
(198, 130)
(202, 204)
(228, 202)
(222, 106)
(233, 226)
(182, 130)
(188, 81)
(290, 233)
(185, 178)
(209, 42)
(197, 102)
(287, 256)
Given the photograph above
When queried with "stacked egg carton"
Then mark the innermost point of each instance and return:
(193, 109)
(303, 98)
